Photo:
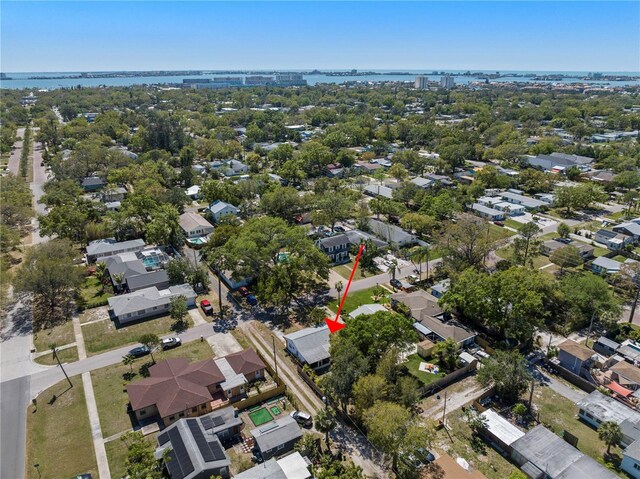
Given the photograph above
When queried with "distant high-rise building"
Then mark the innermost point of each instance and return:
(422, 82)
(258, 80)
(290, 79)
(447, 82)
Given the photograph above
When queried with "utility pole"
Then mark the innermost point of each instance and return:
(275, 357)
(55, 354)
(590, 327)
(444, 411)
(531, 395)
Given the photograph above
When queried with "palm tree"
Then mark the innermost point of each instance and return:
(393, 269)
(422, 255)
(102, 274)
(610, 433)
(118, 278)
(151, 341)
(325, 423)
(339, 286)
(447, 353)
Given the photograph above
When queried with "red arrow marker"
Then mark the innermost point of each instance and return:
(333, 324)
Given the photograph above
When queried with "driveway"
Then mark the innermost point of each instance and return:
(223, 344)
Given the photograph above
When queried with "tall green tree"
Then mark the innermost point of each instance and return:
(508, 372)
(526, 246)
(610, 433)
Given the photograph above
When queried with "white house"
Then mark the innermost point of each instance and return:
(195, 225)
(487, 212)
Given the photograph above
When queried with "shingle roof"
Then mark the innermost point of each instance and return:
(147, 279)
(218, 206)
(337, 240)
(189, 221)
(627, 370)
(147, 298)
(367, 309)
(175, 384)
(576, 350)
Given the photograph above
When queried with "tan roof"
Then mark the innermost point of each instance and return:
(576, 350)
(176, 384)
(190, 220)
(448, 468)
(628, 371)
(419, 301)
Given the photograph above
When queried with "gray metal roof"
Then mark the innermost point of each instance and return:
(608, 342)
(276, 433)
(267, 470)
(547, 451)
(379, 190)
(356, 237)
(486, 210)
(633, 451)
(311, 343)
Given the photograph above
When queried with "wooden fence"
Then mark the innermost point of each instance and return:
(443, 382)
(260, 397)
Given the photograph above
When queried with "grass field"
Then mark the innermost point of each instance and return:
(497, 233)
(480, 455)
(559, 414)
(59, 434)
(117, 455)
(109, 385)
(358, 298)
(344, 270)
(413, 363)
(58, 335)
(103, 335)
(68, 355)
(93, 294)
(261, 416)
(507, 253)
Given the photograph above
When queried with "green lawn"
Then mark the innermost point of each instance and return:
(103, 335)
(507, 253)
(92, 294)
(58, 335)
(558, 413)
(459, 442)
(512, 224)
(597, 251)
(344, 270)
(620, 258)
(497, 233)
(117, 455)
(109, 385)
(358, 298)
(68, 355)
(413, 363)
(59, 434)
(260, 417)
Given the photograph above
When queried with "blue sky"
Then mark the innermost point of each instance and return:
(89, 36)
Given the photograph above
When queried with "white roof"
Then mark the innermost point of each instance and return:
(501, 428)
(367, 309)
(295, 466)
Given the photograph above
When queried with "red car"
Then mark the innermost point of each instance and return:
(244, 291)
(206, 306)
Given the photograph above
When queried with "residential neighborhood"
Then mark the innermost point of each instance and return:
(319, 274)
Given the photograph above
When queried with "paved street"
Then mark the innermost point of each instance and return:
(14, 158)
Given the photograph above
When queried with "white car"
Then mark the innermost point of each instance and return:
(302, 418)
(169, 343)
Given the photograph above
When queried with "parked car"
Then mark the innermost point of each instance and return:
(139, 351)
(412, 278)
(499, 223)
(421, 458)
(396, 283)
(252, 300)
(302, 418)
(83, 476)
(244, 291)
(169, 343)
(206, 306)
(339, 229)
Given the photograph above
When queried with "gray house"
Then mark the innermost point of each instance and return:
(392, 234)
(575, 357)
(194, 449)
(218, 209)
(148, 302)
(335, 247)
(310, 346)
(99, 249)
(277, 437)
